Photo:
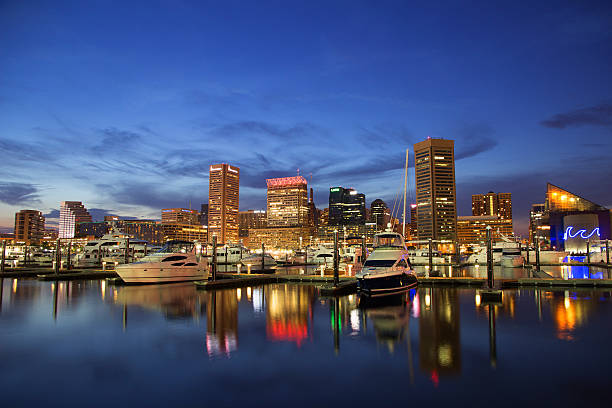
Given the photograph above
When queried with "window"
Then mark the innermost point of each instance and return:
(174, 258)
(402, 263)
(379, 263)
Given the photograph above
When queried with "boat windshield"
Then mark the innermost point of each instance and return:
(175, 247)
(388, 240)
(379, 263)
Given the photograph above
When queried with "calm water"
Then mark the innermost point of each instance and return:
(90, 344)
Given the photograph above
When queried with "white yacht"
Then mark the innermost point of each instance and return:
(111, 248)
(177, 261)
(232, 254)
(387, 270)
(321, 255)
(255, 261)
(511, 258)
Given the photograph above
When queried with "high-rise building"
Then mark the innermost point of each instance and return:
(379, 214)
(539, 228)
(413, 220)
(223, 202)
(472, 229)
(313, 214)
(29, 227)
(180, 216)
(492, 204)
(287, 202)
(435, 189)
(71, 213)
(250, 219)
(346, 207)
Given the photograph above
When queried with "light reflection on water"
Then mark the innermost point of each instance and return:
(432, 338)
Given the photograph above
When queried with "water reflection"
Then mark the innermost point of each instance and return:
(289, 312)
(221, 322)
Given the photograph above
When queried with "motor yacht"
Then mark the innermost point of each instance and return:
(111, 248)
(387, 270)
(232, 254)
(177, 261)
(254, 261)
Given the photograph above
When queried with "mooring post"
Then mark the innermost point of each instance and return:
(588, 249)
(492, 342)
(263, 257)
(3, 256)
(537, 253)
(127, 251)
(68, 264)
(306, 256)
(145, 249)
(213, 275)
(336, 258)
(25, 255)
(363, 249)
(457, 253)
(527, 249)
(430, 256)
(58, 256)
(489, 258)
(226, 254)
(607, 252)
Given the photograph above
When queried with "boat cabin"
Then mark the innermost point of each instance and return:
(389, 240)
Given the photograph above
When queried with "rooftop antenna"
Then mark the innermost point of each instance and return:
(298, 172)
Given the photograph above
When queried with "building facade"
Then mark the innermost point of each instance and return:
(71, 213)
(223, 202)
(346, 207)
(180, 215)
(473, 229)
(379, 214)
(287, 202)
(435, 189)
(249, 220)
(498, 204)
(280, 237)
(29, 227)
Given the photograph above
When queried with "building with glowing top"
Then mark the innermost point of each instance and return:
(223, 202)
(71, 213)
(287, 202)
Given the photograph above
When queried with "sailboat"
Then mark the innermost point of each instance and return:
(387, 270)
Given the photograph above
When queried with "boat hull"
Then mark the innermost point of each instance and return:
(375, 286)
(152, 274)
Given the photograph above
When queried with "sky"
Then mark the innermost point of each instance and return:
(124, 105)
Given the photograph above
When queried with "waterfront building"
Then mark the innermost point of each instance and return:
(250, 219)
(180, 215)
(150, 231)
(472, 229)
(435, 189)
(539, 228)
(379, 214)
(92, 230)
(499, 204)
(287, 202)
(291, 237)
(413, 221)
(185, 232)
(29, 227)
(346, 207)
(351, 234)
(223, 202)
(71, 213)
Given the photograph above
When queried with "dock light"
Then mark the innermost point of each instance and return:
(249, 268)
(350, 270)
(238, 266)
(116, 263)
(477, 300)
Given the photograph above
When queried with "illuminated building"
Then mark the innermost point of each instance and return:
(539, 227)
(473, 229)
(435, 189)
(71, 213)
(499, 204)
(313, 214)
(150, 231)
(379, 214)
(180, 215)
(413, 221)
(29, 227)
(185, 232)
(346, 207)
(352, 234)
(287, 202)
(204, 214)
(250, 219)
(279, 237)
(91, 229)
(223, 202)
(574, 221)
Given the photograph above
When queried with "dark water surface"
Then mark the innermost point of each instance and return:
(89, 344)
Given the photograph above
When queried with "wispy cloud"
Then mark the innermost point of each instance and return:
(598, 115)
(19, 193)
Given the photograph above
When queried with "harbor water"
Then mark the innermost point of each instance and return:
(86, 343)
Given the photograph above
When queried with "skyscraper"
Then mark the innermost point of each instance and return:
(435, 189)
(223, 202)
(346, 207)
(71, 213)
(492, 204)
(180, 216)
(287, 202)
(29, 226)
(379, 214)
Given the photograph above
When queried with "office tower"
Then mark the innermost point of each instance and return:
(379, 214)
(472, 229)
(539, 228)
(204, 214)
(435, 189)
(346, 207)
(223, 202)
(29, 227)
(71, 213)
(287, 202)
(492, 204)
(313, 219)
(413, 220)
(180, 216)
(250, 219)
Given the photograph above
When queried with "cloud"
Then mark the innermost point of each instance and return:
(251, 128)
(54, 213)
(19, 193)
(154, 196)
(474, 139)
(113, 139)
(598, 115)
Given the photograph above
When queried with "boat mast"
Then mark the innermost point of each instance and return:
(405, 185)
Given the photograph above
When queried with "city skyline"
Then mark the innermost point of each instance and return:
(526, 100)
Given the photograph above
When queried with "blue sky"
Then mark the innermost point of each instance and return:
(124, 105)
